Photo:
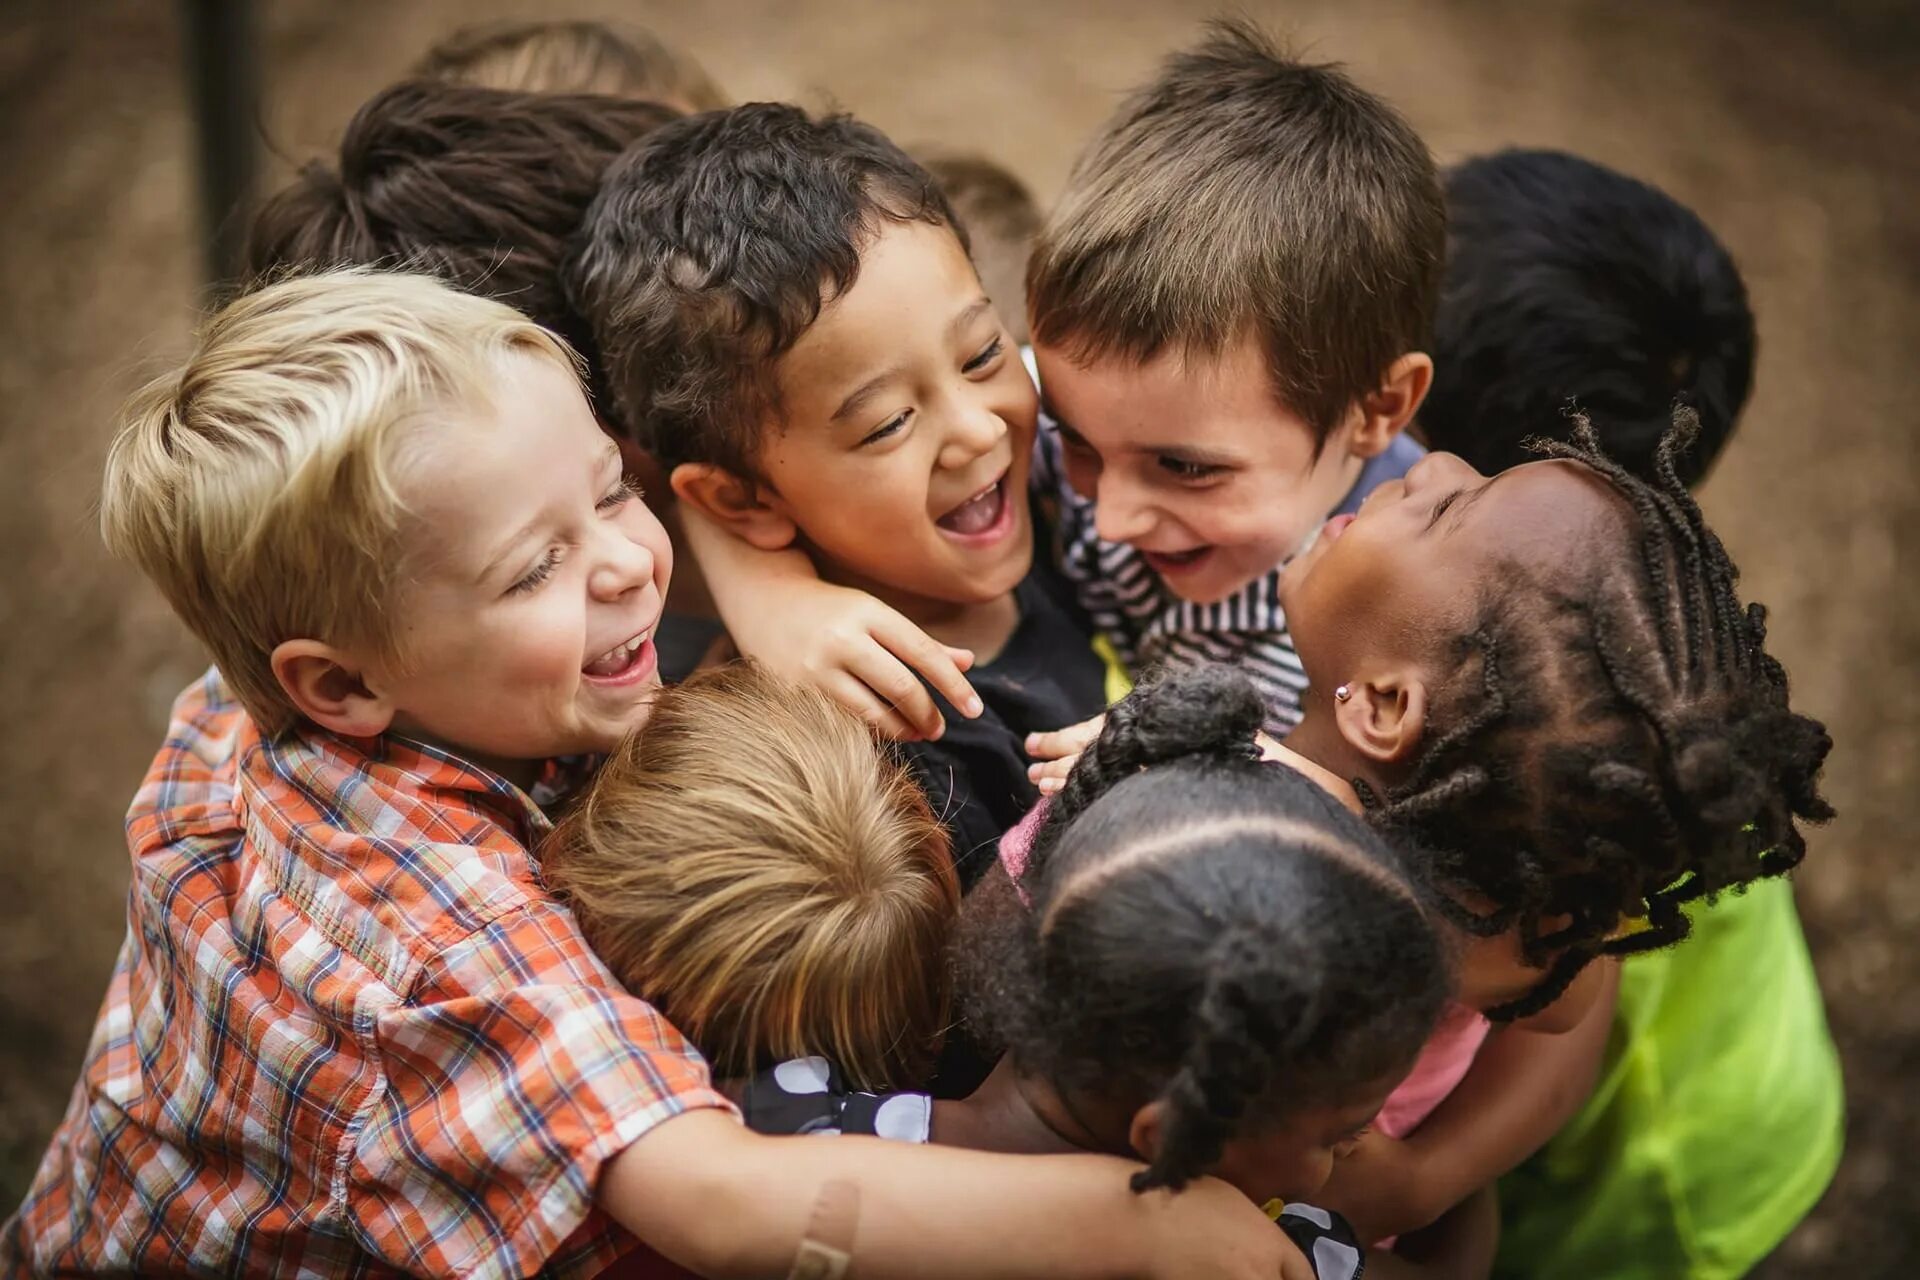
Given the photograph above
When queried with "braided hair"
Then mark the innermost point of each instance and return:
(1614, 743)
(1204, 929)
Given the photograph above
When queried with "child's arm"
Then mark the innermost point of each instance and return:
(842, 641)
(722, 1201)
(1458, 1247)
(1522, 1087)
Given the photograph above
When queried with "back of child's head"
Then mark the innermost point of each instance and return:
(1242, 192)
(714, 244)
(256, 483)
(483, 187)
(1569, 284)
(1001, 218)
(752, 865)
(1611, 739)
(572, 57)
(1205, 929)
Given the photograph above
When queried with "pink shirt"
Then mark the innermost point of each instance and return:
(1443, 1061)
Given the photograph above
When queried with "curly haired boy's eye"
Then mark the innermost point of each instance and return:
(988, 354)
(1182, 469)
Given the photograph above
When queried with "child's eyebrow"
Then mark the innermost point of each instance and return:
(972, 313)
(1187, 453)
(864, 392)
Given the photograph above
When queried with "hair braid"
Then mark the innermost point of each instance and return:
(1626, 745)
(1240, 1031)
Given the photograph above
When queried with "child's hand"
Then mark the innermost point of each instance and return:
(1381, 1188)
(863, 655)
(1190, 1236)
(1057, 751)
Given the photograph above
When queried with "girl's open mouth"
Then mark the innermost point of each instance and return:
(981, 518)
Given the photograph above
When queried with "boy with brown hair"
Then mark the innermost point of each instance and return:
(350, 1033)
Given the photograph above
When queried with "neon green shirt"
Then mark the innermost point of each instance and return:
(1717, 1121)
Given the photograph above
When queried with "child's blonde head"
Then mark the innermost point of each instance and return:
(755, 868)
(257, 484)
(572, 57)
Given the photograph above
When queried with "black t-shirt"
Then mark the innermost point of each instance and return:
(1046, 677)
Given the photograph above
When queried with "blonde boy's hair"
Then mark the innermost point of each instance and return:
(572, 57)
(256, 484)
(754, 867)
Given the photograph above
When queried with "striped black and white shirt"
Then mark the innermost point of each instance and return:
(1149, 626)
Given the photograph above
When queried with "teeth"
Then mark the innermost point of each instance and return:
(621, 653)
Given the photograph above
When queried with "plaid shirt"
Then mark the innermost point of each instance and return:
(349, 1034)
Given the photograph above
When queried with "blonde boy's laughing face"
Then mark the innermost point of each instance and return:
(906, 432)
(534, 583)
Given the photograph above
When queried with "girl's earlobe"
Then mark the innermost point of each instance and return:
(1144, 1133)
(1383, 718)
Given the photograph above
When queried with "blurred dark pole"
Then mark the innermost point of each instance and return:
(225, 93)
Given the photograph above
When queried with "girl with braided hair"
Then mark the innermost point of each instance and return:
(1205, 961)
(1546, 682)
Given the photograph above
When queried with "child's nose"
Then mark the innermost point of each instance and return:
(621, 565)
(1122, 514)
(976, 430)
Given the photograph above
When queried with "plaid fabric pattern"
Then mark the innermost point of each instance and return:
(349, 1033)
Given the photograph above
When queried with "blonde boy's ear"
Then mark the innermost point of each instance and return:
(1383, 717)
(1386, 411)
(740, 505)
(328, 687)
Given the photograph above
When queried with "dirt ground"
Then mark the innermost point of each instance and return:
(1797, 137)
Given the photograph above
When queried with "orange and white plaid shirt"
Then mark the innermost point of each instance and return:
(349, 1033)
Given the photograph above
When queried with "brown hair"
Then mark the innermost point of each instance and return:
(1001, 219)
(482, 187)
(712, 247)
(1241, 192)
(572, 57)
(752, 865)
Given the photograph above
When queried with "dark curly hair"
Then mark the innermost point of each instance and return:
(1614, 743)
(1569, 282)
(484, 188)
(711, 249)
(1205, 929)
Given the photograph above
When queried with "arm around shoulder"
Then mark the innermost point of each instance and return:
(725, 1202)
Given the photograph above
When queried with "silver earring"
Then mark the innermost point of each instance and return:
(1342, 693)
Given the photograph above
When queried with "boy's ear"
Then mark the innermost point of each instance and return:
(1145, 1132)
(1387, 409)
(328, 687)
(739, 504)
(1383, 717)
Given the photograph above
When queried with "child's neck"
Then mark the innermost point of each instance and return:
(1011, 1114)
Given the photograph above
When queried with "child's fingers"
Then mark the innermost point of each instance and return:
(1051, 775)
(931, 659)
(899, 689)
(1070, 741)
(863, 702)
(962, 658)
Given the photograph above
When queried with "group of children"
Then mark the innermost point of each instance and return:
(458, 944)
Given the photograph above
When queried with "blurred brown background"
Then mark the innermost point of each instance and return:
(1794, 132)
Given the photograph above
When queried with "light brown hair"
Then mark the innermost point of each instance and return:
(1242, 191)
(572, 57)
(752, 865)
(257, 485)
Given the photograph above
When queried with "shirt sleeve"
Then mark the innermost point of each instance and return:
(519, 1068)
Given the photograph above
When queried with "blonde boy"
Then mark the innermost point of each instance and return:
(350, 1033)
